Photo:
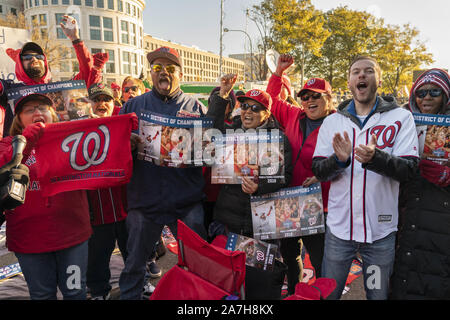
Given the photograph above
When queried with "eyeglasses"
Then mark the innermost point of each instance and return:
(433, 93)
(171, 68)
(315, 96)
(255, 108)
(134, 88)
(42, 108)
(27, 57)
(102, 99)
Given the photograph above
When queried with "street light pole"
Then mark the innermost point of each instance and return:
(251, 48)
(221, 36)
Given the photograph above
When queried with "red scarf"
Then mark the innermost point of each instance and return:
(85, 154)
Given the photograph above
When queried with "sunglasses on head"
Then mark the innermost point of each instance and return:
(433, 93)
(134, 88)
(253, 107)
(315, 95)
(169, 68)
(100, 99)
(27, 57)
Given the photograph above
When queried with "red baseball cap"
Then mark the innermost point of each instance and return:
(259, 96)
(316, 85)
(165, 52)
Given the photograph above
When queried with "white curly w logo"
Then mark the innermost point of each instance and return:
(93, 158)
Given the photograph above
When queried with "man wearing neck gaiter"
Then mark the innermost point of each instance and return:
(157, 195)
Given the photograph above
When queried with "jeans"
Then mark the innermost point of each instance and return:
(143, 233)
(101, 246)
(378, 260)
(64, 269)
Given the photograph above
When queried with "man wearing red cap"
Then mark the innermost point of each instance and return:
(365, 149)
(32, 67)
(158, 196)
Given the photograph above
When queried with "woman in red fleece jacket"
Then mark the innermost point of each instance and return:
(48, 235)
(301, 126)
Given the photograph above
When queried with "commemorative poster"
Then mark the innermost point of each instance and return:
(177, 142)
(258, 254)
(70, 98)
(290, 212)
(434, 137)
(259, 155)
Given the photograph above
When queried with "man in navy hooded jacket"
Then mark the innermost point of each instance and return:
(157, 195)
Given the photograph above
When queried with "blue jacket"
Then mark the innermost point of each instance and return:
(165, 193)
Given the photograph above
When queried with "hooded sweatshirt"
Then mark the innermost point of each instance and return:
(90, 71)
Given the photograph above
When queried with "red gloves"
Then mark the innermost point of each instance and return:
(435, 173)
(100, 59)
(32, 133)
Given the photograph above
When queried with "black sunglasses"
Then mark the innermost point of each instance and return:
(433, 93)
(254, 107)
(99, 99)
(134, 88)
(31, 56)
(315, 95)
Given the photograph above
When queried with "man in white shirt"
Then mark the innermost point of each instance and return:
(365, 149)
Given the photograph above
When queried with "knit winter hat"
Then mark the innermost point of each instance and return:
(433, 76)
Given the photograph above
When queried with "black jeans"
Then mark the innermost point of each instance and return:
(101, 246)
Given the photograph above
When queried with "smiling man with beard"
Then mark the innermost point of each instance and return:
(365, 149)
(157, 195)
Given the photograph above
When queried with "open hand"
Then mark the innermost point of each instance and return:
(342, 146)
(365, 153)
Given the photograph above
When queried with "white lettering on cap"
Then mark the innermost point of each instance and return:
(255, 93)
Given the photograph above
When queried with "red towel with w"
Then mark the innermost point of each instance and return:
(85, 154)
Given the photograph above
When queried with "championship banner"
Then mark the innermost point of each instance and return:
(86, 154)
(174, 141)
(70, 98)
(433, 131)
(257, 154)
(290, 212)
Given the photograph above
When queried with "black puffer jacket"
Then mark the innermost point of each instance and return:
(422, 262)
(233, 205)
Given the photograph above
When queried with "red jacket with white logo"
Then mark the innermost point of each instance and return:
(108, 205)
(45, 224)
(290, 118)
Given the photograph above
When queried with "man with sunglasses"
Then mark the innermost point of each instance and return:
(131, 88)
(365, 149)
(32, 67)
(157, 195)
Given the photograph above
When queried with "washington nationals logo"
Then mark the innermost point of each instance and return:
(91, 158)
(387, 134)
(255, 93)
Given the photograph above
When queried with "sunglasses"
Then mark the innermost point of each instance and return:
(42, 108)
(315, 96)
(27, 57)
(100, 99)
(169, 68)
(254, 107)
(134, 88)
(433, 93)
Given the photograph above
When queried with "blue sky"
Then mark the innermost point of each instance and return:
(197, 22)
